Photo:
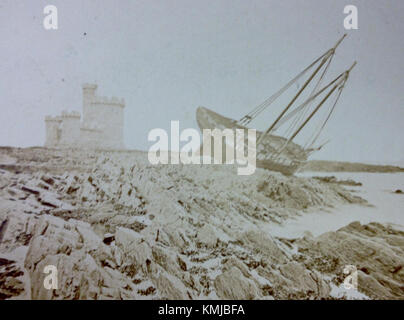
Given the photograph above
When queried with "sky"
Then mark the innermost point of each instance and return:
(166, 58)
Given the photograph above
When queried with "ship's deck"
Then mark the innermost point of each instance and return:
(208, 119)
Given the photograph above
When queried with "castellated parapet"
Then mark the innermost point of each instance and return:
(101, 126)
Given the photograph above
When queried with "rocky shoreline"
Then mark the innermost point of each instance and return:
(117, 227)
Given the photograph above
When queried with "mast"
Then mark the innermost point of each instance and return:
(340, 84)
(314, 111)
(257, 110)
(305, 103)
(327, 55)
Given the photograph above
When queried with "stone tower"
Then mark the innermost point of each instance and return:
(88, 98)
(52, 131)
(70, 128)
(105, 114)
(100, 128)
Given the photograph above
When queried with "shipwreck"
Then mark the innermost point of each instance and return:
(281, 153)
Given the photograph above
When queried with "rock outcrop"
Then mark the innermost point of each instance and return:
(116, 227)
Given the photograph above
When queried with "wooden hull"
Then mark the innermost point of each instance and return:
(288, 161)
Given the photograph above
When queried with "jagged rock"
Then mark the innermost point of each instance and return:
(124, 229)
(11, 284)
(88, 237)
(374, 248)
(265, 245)
(117, 253)
(127, 239)
(170, 287)
(69, 246)
(305, 281)
(233, 262)
(137, 253)
(173, 237)
(233, 285)
(16, 230)
(207, 237)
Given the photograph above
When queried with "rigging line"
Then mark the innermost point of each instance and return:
(330, 52)
(294, 98)
(272, 98)
(341, 83)
(315, 89)
(318, 127)
(328, 117)
(315, 110)
(335, 103)
(316, 94)
(337, 82)
(310, 139)
(303, 114)
(290, 83)
(257, 110)
(246, 119)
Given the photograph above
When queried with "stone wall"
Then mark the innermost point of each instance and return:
(52, 131)
(107, 115)
(90, 137)
(70, 129)
(101, 126)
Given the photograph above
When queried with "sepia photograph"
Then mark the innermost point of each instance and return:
(217, 151)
